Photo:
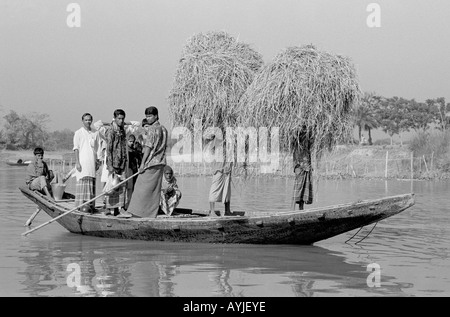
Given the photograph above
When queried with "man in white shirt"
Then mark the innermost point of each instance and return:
(86, 143)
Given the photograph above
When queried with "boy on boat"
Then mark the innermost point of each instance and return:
(170, 193)
(38, 174)
(134, 160)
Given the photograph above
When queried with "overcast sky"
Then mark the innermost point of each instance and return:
(125, 52)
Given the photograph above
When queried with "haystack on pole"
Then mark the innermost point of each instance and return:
(213, 73)
(308, 94)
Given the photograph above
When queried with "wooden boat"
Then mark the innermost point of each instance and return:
(19, 162)
(189, 225)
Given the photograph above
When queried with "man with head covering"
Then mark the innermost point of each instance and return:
(303, 186)
(220, 190)
(170, 193)
(147, 192)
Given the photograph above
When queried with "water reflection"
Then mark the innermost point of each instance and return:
(411, 249)
(90, 267)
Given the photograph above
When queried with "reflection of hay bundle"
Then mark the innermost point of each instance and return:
(308, 94)
(213, 73)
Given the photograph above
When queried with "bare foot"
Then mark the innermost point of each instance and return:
(213, 214)
(125, 214)
(105, 212)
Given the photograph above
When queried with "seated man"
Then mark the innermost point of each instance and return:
(170, 194)
(38, 175)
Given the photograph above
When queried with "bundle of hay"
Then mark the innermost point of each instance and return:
(214, 71)
(308, 95)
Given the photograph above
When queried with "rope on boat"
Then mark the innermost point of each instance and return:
(365, 236)
(368, 233)
(354, 234)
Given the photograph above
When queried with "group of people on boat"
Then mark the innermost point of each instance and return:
(136, 180)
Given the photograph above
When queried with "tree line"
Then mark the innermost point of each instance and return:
(23, 132)
(392, 115)
(396, 115)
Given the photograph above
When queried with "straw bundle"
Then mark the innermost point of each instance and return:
(213, 73)
(308, 95)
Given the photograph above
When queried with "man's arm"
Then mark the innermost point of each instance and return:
(77, 160)
(144, 158)
(76, 146)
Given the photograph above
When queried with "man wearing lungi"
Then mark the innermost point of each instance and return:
(147, 191)
(116, 160)
(220, 190)
(85, 145)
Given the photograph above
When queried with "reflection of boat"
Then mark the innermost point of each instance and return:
(19, 162)
(187, 225)
(93, 267)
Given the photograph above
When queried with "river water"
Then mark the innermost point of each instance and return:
(405, 255)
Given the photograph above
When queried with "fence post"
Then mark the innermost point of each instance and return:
(351, 164)
(386, 170)
(425, 163)
(412, 171)
(431, 164)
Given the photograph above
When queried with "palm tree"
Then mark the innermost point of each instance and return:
(365, 118)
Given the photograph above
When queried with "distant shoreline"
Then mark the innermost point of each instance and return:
(28, 155)
(346, 163)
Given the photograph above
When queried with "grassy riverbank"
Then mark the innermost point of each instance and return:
(385, 161)
(392, 162)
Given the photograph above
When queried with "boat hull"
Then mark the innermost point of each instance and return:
(17, 164)
(294, 227)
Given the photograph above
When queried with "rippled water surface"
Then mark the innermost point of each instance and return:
(411, 249)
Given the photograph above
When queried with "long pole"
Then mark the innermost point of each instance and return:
(85, 203)
(30, 220)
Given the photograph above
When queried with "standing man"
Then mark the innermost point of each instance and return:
(303, 185)
(86, 143)
(147, 192)
(220, 190)
(116, 160)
